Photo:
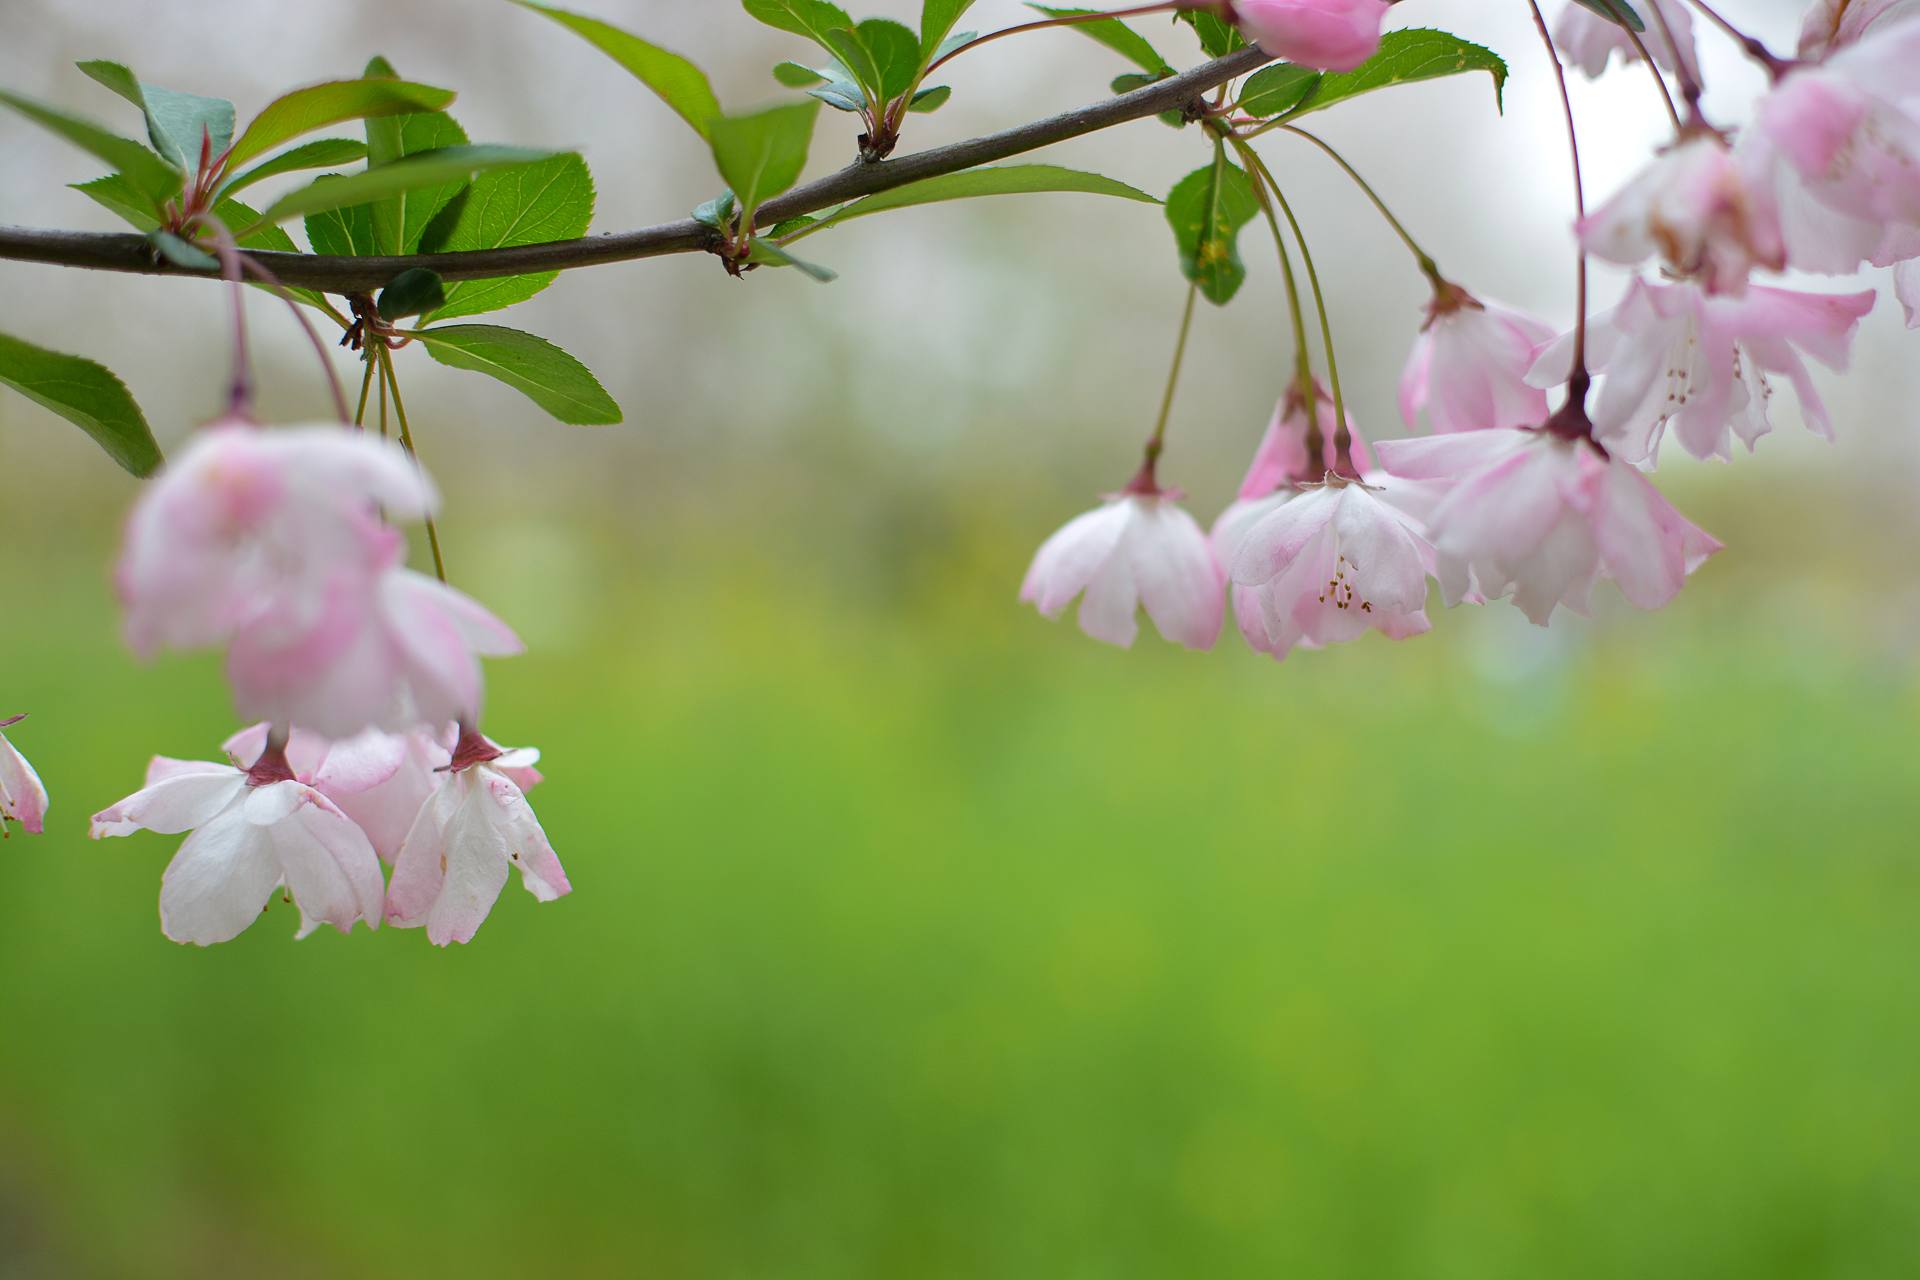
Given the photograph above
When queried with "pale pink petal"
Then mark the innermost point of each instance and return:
(329, 866)
(527, 846)
(1068, 561)
(1181, 584)
(179, 802)
(219, 882)
(1329, 35)
(1906, 287)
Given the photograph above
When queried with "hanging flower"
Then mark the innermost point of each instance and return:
(1328, 565)
(1586, 40)
(1541, 517)
(23, 799)
(1468, 369)
(472, 832)
(1700, 208)
(1140, 549)
(1674, 354)
(253, 833)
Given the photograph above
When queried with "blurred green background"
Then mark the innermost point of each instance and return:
(913, 936)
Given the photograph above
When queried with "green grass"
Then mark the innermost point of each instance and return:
(916, 938)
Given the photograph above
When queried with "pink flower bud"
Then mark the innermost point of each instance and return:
(1330, 35)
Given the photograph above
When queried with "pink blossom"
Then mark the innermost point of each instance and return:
(404, 652)
(1586, 40)
(1701, 208)
(1850, 125)
(1139, 549)
(251, 528)
(1675, 354)
(1330, 35)
(1832, 25)
(23, 799)
(250, 836)
(474, 828)
(1469, 366)
(377, 779)
(1329, 564)
(1541, 517)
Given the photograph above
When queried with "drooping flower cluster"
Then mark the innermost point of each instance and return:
(1511, 500)
(277, 546)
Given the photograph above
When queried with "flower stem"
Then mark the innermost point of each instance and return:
(1690, 86)
(1342, 435)
(1776, 66)
(366, 387)
(240, 397)
(392, 383)
(1578, 380)
(1158, 440)
(1302, 357)
(1427, 265)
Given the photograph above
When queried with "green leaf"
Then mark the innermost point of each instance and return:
(1404, 57)
(1117, 36)
(1276, 90)
(1218, 37)
(344, 231)
(320, 105)
(1207, 210)
(766, 253)
(115, 193)
(810, 18)
(177, 123)
(326, 153)
(761, 155)
(533, 366)
(180, 253)
(841, 91)
(795, 76)
(155, 179)
(1008, 180)
(180, 124)
(411, 293)
(936, 24)
(429, 169)
(531, 204)
(117, 77)
(85, 394)
(679, 83)
(896, 53)
(1615, 11)
(852, 49)
(928, 101)
(401, 219)
(717, 212)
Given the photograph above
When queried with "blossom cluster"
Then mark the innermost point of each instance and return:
(279, 547)
(1509, 498)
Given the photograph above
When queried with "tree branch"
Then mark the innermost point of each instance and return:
(98, 251)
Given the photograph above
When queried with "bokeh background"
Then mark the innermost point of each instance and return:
(914, 936)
